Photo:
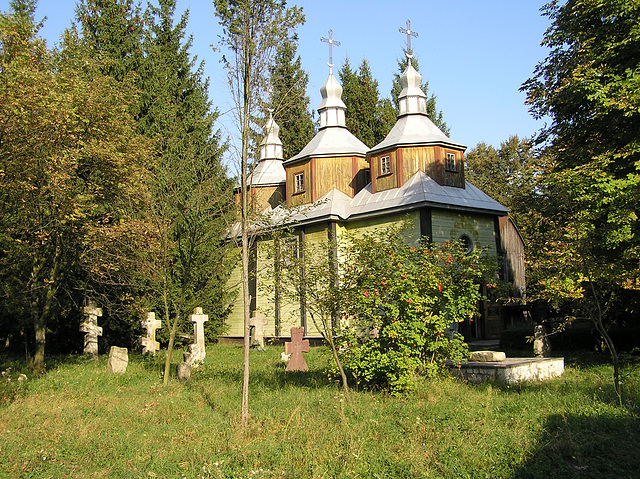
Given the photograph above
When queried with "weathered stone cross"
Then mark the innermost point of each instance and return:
(258, 321)
(91, 328)
(148, 342)
(296, 347)
(331, 43)
(409, 33)
(197, 349)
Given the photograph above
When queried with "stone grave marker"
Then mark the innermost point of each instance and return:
(541, 346)
(118, 360)
(296, 347)
(258, 322)
(183, 371)
(197, 351)
(148, 340)
(90, 328)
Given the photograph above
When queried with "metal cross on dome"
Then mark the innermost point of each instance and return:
(409, 33)
(331, 43)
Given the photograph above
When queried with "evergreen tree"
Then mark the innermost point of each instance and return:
(112, 29)
(289, 101)
(368, 116)
(191, 194)
(432, 111)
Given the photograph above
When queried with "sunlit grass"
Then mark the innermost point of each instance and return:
(81, 421)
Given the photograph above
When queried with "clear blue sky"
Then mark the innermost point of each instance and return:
(475, 54)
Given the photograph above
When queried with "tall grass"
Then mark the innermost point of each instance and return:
(81, 421)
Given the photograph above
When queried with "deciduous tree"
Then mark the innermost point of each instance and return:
(252, 30)
(588, 87)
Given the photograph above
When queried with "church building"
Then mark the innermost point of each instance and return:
(416, 173)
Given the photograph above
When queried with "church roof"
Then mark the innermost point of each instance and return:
(333, 138)
(413, 125)
(420, 190)
(269, 170)
(331, 141)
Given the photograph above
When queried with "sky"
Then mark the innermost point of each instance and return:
(475, 54)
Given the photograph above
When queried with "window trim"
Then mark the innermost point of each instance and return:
(298, 186)
(451, 162)
(381, 164)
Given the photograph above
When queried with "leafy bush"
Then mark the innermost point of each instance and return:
(405, 301)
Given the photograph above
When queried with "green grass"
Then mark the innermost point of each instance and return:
(80, 421)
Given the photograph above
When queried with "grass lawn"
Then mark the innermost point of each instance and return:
(79, 421)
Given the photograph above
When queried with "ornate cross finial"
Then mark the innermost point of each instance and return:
(409, 33)
(331, 43)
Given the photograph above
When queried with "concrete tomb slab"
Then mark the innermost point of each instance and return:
(488, 356)
(258, 322)
(197, 352)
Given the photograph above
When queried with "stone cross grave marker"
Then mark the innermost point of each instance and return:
(91, 328)
(148, 341)
(296, 347)
(197, 351)
(258, 321)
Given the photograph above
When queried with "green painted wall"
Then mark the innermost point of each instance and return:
(450, 226)
(235, 322)
(370, 225)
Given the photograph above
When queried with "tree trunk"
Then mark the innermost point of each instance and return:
(244, 206)
(41, 312)
(607, 339)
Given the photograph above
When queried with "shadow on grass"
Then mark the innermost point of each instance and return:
(586, 447)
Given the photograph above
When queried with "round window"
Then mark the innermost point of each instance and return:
(467, 244)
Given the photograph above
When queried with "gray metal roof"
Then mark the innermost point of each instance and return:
(414, 129)
(419, 190)
(331, 141)
(268, 172)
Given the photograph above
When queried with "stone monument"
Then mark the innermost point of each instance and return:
(148, 340)
(296, 347)
(258, 322)
(197, 351)
(118, 360)
(90, 328)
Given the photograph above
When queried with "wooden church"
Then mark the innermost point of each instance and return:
(415, 173)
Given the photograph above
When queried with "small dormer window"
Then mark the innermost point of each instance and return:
(298, 181)
(385, 165)
(450, 163)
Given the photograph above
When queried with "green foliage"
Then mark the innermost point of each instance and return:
(113, 31)
(289, 100)
(411, 296)
(70, 158)
(299, 427)
(432, 111)
(368, 116)
(589, 249)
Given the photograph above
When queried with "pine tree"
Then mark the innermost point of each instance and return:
(289, 101)
(191, 193)
(368, 116)
(432, 110)
(112, 29)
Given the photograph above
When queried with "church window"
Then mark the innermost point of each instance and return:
(451, 164)
(385, 165)
(467, 244)
(298, 181)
